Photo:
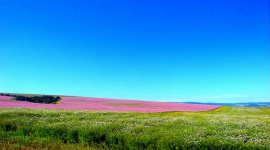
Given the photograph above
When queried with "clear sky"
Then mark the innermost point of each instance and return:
(158, 50)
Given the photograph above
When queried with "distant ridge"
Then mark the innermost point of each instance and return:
(247, 104)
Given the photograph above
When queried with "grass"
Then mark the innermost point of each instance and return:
(222, 128)
(241, 110)
(40, 143)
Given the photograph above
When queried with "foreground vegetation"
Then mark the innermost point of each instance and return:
(223, 128)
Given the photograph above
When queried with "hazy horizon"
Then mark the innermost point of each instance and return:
(175, 51)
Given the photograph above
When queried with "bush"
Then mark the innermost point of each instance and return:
(39, 99)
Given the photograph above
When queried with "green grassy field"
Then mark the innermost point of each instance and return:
(223, 128)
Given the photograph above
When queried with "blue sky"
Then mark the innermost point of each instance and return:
(203, 51)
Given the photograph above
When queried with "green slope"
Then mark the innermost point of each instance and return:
(241, 110)
(223, 128)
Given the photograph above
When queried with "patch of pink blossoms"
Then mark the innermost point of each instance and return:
(103, 104)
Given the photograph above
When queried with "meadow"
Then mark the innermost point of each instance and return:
(222, 128)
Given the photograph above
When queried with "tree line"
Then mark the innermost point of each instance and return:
(36, 99)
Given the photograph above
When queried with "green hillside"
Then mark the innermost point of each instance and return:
(223, 128)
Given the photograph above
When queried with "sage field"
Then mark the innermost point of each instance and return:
(222, 128)
(104, 104)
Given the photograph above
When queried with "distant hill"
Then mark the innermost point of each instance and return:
(247, 104)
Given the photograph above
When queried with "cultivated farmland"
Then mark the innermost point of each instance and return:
(87, 103)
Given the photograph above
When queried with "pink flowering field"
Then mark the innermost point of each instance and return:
(104, 104)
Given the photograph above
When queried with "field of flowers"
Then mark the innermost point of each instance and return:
(88, 103)
(222, 128)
